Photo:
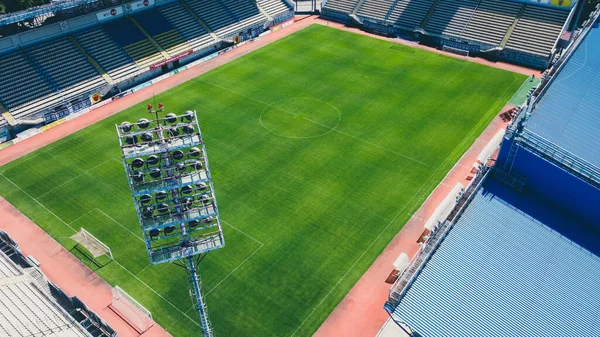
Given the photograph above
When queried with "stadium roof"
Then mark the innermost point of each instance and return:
(508, 267)
(568, 114)
(26, 308)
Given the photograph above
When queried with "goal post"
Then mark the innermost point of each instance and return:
(131, 311)
(92, 244)
(456, 51)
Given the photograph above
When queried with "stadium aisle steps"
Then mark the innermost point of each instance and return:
(173, 43)
(223, 20)
(343, 6)
(512, 26)
(264, 12)
(160, 30)
(538, 29)
(429, 14)
(376, 9)
(109, 55)
(67, 67)
(134, 42)
(491, 21)
(150, 38)
(247, 13)
(92, 61)
(409, 14)
(187, 25)
(193, 14)
(450, 17)
(212, 13)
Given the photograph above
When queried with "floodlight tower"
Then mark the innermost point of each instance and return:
(169, 177)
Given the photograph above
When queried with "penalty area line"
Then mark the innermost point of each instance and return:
(114, 260)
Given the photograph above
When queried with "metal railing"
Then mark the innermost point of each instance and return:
(418, 262)
(559, 156)
(52, 7)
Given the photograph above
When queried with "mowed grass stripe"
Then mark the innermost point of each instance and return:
(312, 209)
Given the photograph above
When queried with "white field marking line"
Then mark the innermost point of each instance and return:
(236, 268)
(86, 213)
(115, 221)
(321, 124)
(146, 267)
(458, 73)
(394, 219)
(39, 203)
(247, 258)
(154, 291)
(72, 179)
(114, 260)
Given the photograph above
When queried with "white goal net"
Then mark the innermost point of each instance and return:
(455, 51)
(131, 311)
(92, 244)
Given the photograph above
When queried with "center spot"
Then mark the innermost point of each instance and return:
(300, 118)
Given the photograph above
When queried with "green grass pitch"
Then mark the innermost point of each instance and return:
(322, 145)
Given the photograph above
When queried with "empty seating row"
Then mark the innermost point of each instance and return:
(187, 25)
(376, 9)
(344, 6)
(113, 59)
(492, 20)
(135, 44)
(66, 66)
(273, 7)
(247, 14)
(161, 30)
(409, 13)
(212, 13)
(538, 29)
(500, 256)
(116, 28)
(20, 80)
(56, 72)
(450, 17)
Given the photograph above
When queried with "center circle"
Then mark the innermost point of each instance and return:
(300, 117)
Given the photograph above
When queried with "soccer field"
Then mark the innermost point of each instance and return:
(321, 146)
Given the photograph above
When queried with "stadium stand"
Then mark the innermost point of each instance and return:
(54, 76)
(375, 9)
(66, 67)
(341, 6)
(520, 251)
(567, 113)
(32, 306)
(214, 14)
(410, 14)
(538, 29)
(117, 64)
(20, 81)
(161, 30)
(273, 7)
(450, 17)
(134, 42)
(512, 264)
(491, 21)
(187, 25)
(506, 29)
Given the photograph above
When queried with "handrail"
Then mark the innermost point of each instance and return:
(414, 268)
(549, 150)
